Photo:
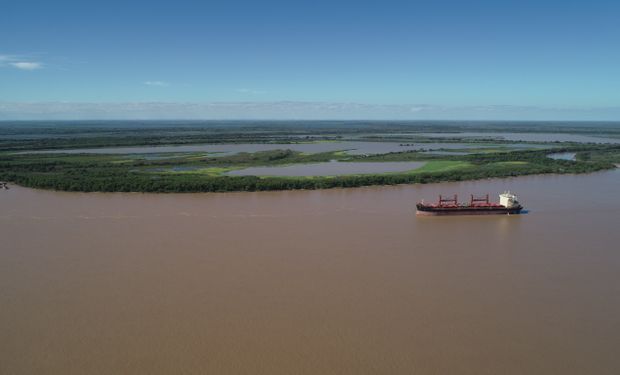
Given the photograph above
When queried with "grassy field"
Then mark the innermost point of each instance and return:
(435, 166)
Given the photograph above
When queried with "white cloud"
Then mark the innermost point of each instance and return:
(19, 63)
(422, 107)
(156, 83)
(250, 91)
(26, 65)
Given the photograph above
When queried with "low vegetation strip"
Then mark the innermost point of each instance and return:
(438, 166)
(202, 173)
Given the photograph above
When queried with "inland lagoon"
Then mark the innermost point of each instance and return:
(351, 147)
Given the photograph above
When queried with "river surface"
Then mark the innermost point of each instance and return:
(529, 137)
(344, 281)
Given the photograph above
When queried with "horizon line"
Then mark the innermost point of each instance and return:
(302, 119)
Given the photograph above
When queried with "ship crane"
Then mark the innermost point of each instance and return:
(448, 201)
(479, 201)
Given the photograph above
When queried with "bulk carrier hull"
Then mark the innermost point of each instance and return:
(508, 205)
(465, 210)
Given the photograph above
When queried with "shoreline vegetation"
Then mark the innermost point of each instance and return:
(205, 172)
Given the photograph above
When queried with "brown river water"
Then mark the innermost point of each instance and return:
(312, 282)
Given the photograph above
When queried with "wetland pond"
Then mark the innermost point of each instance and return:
(529, 137)
(563, 156)
(354, 148)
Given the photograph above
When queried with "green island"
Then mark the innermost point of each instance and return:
(24, 159)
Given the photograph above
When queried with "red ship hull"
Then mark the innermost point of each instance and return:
(490, 209)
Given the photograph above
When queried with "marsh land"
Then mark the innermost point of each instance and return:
(205, 156)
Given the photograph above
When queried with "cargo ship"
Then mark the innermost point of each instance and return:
(508, 204)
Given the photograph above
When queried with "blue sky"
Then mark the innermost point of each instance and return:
(320, 59)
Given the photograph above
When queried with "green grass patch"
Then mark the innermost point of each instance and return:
(208, 171)
(508, 163)
(442, 166)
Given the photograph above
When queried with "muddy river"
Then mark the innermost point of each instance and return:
(345, 281)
